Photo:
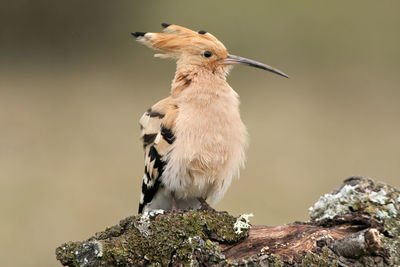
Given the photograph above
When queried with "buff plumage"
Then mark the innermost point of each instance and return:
(194, 140)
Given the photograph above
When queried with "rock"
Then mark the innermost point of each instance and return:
(357, 224)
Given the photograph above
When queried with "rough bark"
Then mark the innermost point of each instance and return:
(357, 224)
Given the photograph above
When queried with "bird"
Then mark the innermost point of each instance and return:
(194, 140)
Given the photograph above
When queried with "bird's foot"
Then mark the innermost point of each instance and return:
(174, 206)
(204, 205)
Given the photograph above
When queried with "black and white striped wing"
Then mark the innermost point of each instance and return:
(156, 142)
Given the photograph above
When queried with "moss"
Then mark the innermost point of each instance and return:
(66, 253)
(325, 259)
(188, 239)
(391, 242)
(222, 226)
(174, 237)
(275, 260)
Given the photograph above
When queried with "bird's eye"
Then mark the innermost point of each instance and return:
(207, 54)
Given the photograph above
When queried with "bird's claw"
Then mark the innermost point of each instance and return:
(204, 206)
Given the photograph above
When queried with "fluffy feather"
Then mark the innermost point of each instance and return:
(194, 140)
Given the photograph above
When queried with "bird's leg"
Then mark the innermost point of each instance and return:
(204, 205)
(174, 207)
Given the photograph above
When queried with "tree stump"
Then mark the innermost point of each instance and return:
(358, 224)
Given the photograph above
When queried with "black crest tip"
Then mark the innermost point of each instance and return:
(201, 32)
(165, 25)
(137, 34)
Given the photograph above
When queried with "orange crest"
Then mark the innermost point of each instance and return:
(192, 48)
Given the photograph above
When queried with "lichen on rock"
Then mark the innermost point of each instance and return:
(357, 224)
(358, 194)
(156, 239)
(363, 195)
(242, 223)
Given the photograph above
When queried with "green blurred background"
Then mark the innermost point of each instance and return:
(74, 83)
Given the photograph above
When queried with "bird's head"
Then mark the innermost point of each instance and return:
(195, 49)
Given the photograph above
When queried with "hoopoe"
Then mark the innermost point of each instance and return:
(194, 140)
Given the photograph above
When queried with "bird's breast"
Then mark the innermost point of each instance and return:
(210, 142)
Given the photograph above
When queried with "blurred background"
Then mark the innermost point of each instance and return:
(74, 83)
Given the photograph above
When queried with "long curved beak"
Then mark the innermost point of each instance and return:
(232, 59)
